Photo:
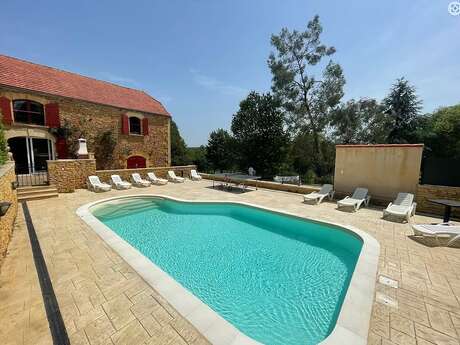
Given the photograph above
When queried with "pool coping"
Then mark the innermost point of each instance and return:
(352, 325)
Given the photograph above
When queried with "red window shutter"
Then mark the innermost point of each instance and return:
(52, 115)
(5, 107)
(145, 126)
(125, 124)
(61, 148)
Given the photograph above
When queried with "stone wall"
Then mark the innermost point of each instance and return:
(70, 174)
(426, 192)
(7, 193)
(89, 120)
(125, 174)
(270, 185)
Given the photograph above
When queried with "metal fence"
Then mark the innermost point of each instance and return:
(29, 176)
(441, 171)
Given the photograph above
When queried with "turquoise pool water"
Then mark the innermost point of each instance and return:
(278, 279)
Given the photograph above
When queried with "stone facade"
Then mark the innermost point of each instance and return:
(90, 120)
(7, 193)
(70, 174)
(426, 192)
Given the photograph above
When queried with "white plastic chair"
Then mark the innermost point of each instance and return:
(360, 196)
(156, 180)
(448, 232)
(96, 185)
(403, 206)
(173, 178)
(327, 190)
(194, 175)
(119, 183)
(139, 181)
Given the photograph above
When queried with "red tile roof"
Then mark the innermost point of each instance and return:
(30, 76)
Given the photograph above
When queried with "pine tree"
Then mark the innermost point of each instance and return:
(403, 107)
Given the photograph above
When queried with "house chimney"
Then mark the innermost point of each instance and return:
(82, 152)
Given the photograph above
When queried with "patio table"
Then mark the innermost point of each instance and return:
(448, 204)
(236, 178)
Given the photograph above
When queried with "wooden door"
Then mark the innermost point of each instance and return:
(134, 162)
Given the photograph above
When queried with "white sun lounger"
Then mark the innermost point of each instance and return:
(444, 231)
(194, 175)
(402, 207)
(360, 196)
(119, 183)
(96, 185)
(173, 178)
(139, 181)
(327, 190)
(156, 180)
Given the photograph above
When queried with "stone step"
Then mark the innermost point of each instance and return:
(33, 191)
(36, 192)
(36, 196)
(31, 188)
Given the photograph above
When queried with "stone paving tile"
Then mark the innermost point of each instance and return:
(440, 320)
(132, 334)
(99, 330)
(103, 300)
(118, 311)
(402, 324)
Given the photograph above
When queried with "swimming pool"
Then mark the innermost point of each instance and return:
(278, 279)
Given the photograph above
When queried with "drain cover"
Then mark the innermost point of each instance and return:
(388, 282)
(387, 300)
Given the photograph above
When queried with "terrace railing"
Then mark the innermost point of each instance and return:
(31, 176)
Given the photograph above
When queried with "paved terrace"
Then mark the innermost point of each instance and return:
(104, 302)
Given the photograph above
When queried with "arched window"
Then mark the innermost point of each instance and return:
(30, 112)
(134, 125)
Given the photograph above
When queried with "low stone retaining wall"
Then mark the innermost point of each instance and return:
(270, 185)
(426, 192)
(7, 176)
(125, 174)
(70, 174)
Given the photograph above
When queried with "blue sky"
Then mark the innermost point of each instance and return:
(200, 58)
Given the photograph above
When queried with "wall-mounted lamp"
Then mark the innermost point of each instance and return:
(4, 206)
(14, 185)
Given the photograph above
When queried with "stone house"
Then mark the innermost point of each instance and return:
(45, 110)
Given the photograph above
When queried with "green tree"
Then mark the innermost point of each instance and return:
(306, 99)
(440, 132)
(197, 156)
(178, 147)
(403, 107)
(3, 152)
(220, 150)
(301, 158)
(360, 122)
(258, 128)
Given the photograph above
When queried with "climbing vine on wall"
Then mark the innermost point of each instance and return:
(3, 152)
(103, 150)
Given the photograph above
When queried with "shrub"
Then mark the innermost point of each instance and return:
(3, 152)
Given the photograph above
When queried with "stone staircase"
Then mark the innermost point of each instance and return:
(36, 192)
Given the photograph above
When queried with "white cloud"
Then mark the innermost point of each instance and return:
(213, 84)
